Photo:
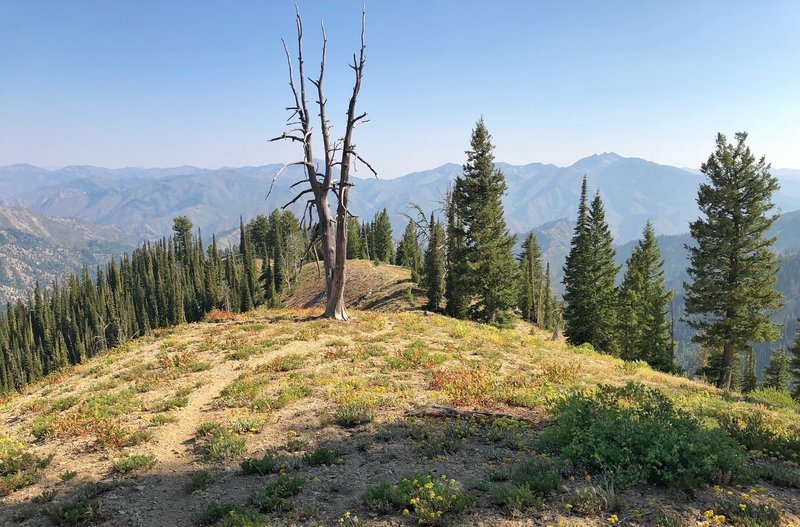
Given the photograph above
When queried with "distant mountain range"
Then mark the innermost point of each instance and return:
(147, 200)
(35, 247)
(116, 209)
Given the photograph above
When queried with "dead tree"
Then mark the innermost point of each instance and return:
(318, 181)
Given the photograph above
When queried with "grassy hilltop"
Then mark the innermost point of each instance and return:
(399, 417)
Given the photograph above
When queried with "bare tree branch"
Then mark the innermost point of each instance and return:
(300, 195)
(279, 172)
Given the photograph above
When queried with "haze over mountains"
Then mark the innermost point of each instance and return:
(146, 200)
(117, 209)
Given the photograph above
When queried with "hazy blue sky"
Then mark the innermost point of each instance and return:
(155, 83)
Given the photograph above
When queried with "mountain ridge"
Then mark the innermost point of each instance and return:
(633, 189)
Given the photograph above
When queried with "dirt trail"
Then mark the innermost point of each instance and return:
(160, 499)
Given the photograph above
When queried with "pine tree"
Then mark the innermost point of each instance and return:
(182, 227)
(531, 286)
(409, 254)
(456, 292)
(578, 284)
(383, 250)
(776, 374)
(435, 265)
(794, 365)
(733, 270)
(589, 279)
(643, 329)
(354, 239)
(492, 271)
(749, 376)
(279, 274)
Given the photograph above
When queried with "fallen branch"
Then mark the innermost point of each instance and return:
(448, 412)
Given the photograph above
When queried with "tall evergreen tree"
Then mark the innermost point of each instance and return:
(531, 284)
(409, 254)
(578, 284)
(456, 291)
(354, 239)
(435, 264)
(794, 365)
(589, 279)
(383, 250)
(776, 374)
(733, 269)
(492, 271)
(643, 329)
(182, 229)
(749, 376)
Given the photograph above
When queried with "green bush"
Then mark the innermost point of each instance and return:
(779, 474)
(276, 495)
(748, 514)
(18, 467)
(529, 482)
(352, 414)
(201, 480)
(636, 434)
(83, 510)
(774, 397)
(266, 465)
(320, 456)
(425, 497)
(134, 463)
(758, 430)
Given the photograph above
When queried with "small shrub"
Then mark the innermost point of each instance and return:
(246, 424)
(202, 479)
(266, 465)
(243, 518)
(161, 419)
(635, 434)
(758, 429)
(595, 500)
(171, 403)
(67, 476)
(218, 442)
(226, 446)
(134, 463)
(749, 514)
(43, 427)
(18, 466)
(774, 397)
(515, 497)
(470, 385)
(213, 513)
(779, 474)
(84, 510)
(277, 495)
(354, 413)
(433, 439)
(529, 482)
(505, 320)
(46, 496)
(431, 500)
(320, 456)
(284, 363)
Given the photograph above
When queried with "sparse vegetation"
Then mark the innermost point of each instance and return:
(431, 500)
(277, 495)
(134, 463)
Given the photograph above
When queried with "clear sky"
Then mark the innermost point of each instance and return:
(165, 83)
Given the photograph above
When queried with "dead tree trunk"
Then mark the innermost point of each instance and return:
(332, 231)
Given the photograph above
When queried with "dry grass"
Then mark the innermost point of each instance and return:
(299, 383)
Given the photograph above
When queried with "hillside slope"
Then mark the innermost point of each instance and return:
(336, 405)
(35, 247)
